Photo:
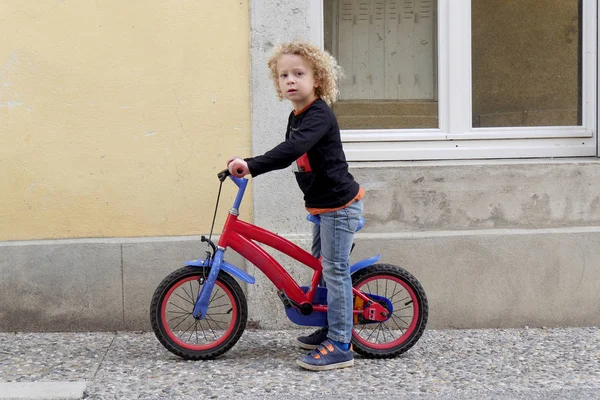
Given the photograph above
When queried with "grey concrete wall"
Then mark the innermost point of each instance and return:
(445, 195)
(273, 22)
(500, 278)
(60, 285)
(481, 278)
(89, 284)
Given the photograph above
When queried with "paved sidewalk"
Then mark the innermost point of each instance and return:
(464, 364)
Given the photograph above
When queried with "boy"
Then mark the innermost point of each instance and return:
(306, 76)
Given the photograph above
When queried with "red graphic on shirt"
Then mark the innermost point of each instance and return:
(303, 163)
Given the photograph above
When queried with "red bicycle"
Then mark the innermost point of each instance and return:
(199, 311)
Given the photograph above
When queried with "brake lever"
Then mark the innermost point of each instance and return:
(223, 175)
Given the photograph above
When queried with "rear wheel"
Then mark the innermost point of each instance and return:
(406, 302)
(175, 327)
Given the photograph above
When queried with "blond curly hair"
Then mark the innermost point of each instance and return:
(326, 70)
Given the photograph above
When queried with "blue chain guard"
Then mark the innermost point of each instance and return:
(319, 318)
(315, 318)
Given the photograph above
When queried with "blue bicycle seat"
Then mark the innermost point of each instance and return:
(315, 219)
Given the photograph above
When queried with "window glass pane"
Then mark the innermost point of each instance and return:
(526, 63)
(388, 51)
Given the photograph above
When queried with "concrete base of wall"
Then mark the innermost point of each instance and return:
(90, 284)
(473, 279)
(482, 279)
(501, 278)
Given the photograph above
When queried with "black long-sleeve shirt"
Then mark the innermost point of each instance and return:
(313, 141)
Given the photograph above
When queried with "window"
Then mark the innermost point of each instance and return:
(387, 49)
(526, 58)
(456, 79)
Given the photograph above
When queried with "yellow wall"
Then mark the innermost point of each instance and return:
(116, 115)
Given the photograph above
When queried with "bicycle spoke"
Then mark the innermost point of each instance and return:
(407, 324)
(203, 332)
(403, 308)
(220, 305)
(390, 331)
(210, 327)
(180, 322)
(395, 293)
(192, 332)
(213, 299)
(179, 312)
(382, 332)
(369, 337)
(215, 291)
(378, 331)
(184, 299)
(191, 293)
(172, 320)
(184, 332)
(178, 306)
(401, 300)
(216, 322)
(395, 322)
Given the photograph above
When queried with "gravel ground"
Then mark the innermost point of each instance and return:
(445, 364)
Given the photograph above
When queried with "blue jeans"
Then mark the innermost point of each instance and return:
(332, 239)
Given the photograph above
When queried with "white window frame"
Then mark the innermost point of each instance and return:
(456, 138)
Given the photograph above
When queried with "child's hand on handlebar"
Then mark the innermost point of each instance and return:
(238, 167)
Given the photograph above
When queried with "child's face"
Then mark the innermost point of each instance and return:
(296, 80)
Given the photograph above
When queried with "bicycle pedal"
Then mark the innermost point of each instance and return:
(287, 303)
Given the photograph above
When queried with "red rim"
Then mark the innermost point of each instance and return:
(411, 327)
(190, 346)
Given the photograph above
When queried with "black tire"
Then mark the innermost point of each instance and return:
(171, 314)
(409, 313)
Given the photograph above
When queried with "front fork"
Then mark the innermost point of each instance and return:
(204, 295)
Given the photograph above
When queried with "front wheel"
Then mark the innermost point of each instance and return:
(403, 296)
(175, 327)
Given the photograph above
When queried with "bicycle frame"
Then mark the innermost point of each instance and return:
(241, 237)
